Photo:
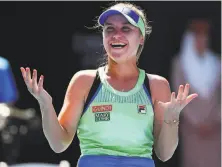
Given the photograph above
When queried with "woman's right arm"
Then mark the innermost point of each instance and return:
(59, 131)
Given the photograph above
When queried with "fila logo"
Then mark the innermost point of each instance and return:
(141, 109)
(102, 108)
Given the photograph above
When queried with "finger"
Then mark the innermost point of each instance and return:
(40, 83)
(173, 97)
(28, 76)
(34, 75)
(34, 80)
(186, 91)
(23, 72)
(190, 98)
(180, 93)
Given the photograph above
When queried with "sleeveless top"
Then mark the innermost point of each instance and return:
(117, 123)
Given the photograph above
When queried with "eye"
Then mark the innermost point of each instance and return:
(109, 29)
(126, 29)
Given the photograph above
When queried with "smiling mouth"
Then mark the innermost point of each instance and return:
(117, 45)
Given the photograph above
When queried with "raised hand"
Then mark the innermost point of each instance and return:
(34, 87)
(173, 108)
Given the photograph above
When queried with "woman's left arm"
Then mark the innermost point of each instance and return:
(167, 108)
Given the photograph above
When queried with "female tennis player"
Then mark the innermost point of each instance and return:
(119, 112)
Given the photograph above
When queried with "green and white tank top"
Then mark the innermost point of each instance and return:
(118, 123)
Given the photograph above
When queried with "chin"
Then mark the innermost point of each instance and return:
(120, 59)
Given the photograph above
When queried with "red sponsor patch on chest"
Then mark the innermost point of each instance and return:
(102, 108)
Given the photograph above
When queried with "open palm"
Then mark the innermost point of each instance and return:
(173, 108)
(34, 87)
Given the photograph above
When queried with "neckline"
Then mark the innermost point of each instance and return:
(135, 89)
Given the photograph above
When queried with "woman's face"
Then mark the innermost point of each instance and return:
(121, 39)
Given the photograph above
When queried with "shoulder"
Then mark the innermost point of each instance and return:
(157, 80)
(83, 78)
(160, 87)
(85, 75)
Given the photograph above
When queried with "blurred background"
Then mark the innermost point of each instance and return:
(56, 38)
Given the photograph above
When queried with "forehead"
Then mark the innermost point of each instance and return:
(116, 19)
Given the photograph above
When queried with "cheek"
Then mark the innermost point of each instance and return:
(106, 39)
(105, 43)
(134, 43)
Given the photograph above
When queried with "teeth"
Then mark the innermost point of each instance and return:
(118, 44)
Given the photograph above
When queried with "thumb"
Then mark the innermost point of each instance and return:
(40, 84)
(161, 104)
(190, 98)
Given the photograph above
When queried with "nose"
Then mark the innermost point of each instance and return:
(117, 34)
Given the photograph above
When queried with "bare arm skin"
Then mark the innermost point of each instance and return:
(167, 109)
(59, 131)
